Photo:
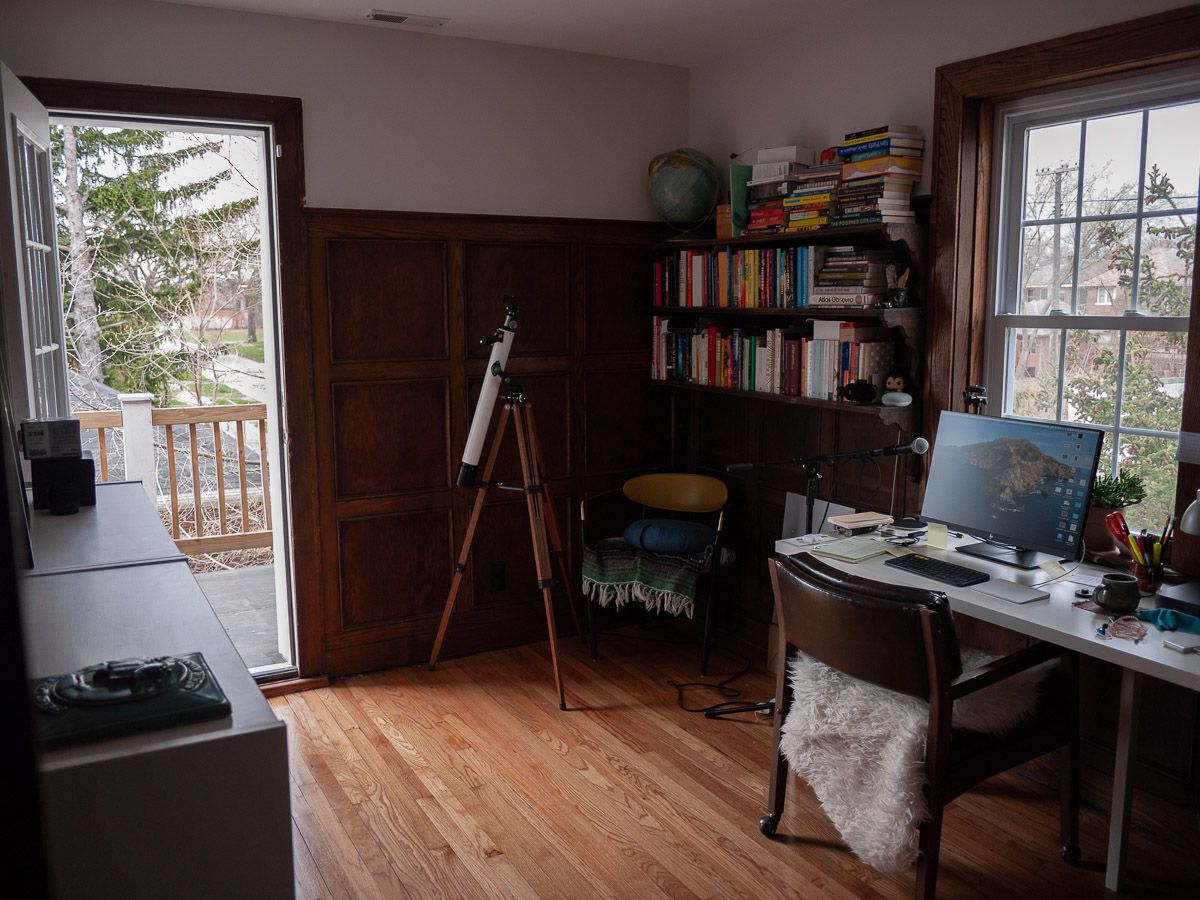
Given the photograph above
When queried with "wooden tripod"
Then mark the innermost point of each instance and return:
(543, 526)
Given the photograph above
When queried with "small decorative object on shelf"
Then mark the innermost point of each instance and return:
(897, 390)
(858, 392)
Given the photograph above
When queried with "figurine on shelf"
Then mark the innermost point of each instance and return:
(860, 391)
(897, 390)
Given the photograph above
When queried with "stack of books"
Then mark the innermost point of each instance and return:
(850, 276)
(810, 202)
(878, 171)
(736, 277)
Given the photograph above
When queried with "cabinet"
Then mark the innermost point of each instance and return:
(740, 317)
(196, 810)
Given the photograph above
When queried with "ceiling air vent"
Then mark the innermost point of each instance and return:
(395, 18)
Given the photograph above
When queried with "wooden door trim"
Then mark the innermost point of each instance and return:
(284, 115)
(965, 95)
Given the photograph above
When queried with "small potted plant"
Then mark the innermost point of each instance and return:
(1110, 493)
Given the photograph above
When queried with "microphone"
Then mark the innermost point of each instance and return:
(919, 446)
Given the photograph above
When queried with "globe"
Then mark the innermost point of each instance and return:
(684, 185)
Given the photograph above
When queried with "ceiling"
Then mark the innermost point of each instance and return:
(674, 32)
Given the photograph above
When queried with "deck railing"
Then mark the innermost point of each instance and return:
(219, 515)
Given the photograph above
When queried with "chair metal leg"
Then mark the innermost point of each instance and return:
(591, 608)
(930, 843)
(777, 794)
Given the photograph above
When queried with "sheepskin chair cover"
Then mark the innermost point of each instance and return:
(861, 748)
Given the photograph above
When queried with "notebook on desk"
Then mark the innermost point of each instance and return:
(851, 549)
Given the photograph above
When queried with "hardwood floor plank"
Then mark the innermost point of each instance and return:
(470, 782)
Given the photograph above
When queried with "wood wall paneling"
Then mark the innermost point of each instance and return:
(617, 289)
(394, 410)
(394, 568)
(626, 421)
(387, 300)
(390, 437)
(535, 275)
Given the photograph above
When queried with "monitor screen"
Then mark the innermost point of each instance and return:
(1011, 481)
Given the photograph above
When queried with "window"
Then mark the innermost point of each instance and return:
(42, 298)
(1097, 200)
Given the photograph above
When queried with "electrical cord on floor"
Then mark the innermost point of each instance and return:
(721, 687)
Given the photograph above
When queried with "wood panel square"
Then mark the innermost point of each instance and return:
(617, 298)
(394, 568)
(390, 437)
(387, 300)
(536, 276)
(626, 422)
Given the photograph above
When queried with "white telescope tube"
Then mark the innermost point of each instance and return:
(501, 345)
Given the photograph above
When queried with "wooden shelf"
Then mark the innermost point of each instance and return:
(860, 234)
(901, 317)
(889, 415)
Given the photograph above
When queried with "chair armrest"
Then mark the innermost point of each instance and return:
(1005, 667)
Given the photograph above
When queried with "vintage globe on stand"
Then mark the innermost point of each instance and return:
(684, 185)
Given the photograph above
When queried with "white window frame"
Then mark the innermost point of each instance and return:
(1012, 123)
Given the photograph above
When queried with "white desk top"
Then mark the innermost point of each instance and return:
(1055, 620)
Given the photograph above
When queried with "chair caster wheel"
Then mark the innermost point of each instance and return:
(1070, 854)
(768, 824)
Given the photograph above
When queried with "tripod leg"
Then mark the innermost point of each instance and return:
(537, 529)
(556, 544)
(464, 554)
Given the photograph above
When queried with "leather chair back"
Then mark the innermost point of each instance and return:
(897, 637)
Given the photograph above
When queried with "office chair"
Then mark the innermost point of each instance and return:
(903, 639)
(659, 558)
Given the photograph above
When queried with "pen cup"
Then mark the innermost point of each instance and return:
(1148, 577)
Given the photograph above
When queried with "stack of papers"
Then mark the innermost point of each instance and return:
(852, 549)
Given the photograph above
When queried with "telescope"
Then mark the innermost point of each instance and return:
(501, 341)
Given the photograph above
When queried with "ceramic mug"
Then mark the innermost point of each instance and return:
(1118, 593)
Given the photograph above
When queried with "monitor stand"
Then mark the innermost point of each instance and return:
(1009, 556)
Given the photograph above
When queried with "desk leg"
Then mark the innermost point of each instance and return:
(1122, 792)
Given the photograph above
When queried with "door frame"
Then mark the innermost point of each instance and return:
(295, 349)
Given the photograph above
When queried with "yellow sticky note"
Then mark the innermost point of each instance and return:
(935, 536)
(1053, 568)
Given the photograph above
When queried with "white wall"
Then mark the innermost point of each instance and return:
(870, 62)
(392, 119)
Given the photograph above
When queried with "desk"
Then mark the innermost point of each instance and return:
(1058, 622)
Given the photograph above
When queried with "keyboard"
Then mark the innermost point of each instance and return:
(938, 570)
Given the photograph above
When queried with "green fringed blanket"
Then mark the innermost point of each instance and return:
(615, 572)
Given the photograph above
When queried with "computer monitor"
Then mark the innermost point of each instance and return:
(1024, 487)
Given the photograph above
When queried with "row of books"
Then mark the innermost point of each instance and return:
(787, 361)
(737, 278)
(850, 276)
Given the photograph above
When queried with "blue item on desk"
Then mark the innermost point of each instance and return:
(1170, 620)
(938, 570)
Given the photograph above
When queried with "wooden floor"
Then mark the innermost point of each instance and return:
(469, 782)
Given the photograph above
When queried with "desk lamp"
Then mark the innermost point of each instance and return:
(1184, 597)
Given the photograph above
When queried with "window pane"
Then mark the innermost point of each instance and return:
(1165, 270)
(1090, 392)
(1034, 358)
(1112, 159)
(1051, 171)
(1154, 459)
(1047, 268)
(1105, 267)
(1173, 155)
(1153, 389)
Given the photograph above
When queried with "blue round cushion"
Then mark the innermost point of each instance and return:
(669, 536)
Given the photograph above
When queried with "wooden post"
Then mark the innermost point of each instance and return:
(139, 442)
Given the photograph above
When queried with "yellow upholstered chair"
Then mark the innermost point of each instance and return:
(659, 562)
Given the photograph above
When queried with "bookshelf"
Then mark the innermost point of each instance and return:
(783, 261)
